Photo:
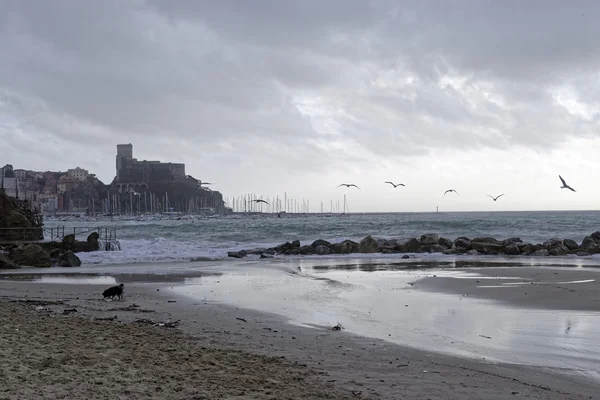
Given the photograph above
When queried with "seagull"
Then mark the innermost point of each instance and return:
(394, 184)
(450, 190)
(565, 186)
(259, 201)
(495, 198)
(349, 185)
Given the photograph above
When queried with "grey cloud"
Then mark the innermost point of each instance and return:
(232, 75)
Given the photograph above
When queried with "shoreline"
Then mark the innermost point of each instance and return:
(360, 364)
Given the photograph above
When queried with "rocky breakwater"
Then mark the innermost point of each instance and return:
(46, 254)
(433, 243)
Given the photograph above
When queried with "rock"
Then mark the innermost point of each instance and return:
(571, 244)
(345, 247)
(320, 242)
(511, 250)
(306, 250)
(489, 240)
(322, 250)
(69, 259)
(7, 263)
(554, 242)
(258, 251)
(282, 248)
(593, 248)
(92, 241)
(429, 238)
(410, 245)
(389, 244)
(561, 250)
(68, 242)
(473, 252)
(462, 242)
(450, 252)
(236, 254)
(587, 241)
(55, 253)
(437, 248)
(389, 250)
(295, 244)
(31, 255)
(511, 241)
(405, 256)
(596, 236)
(368, 245)
(583, 254)
(538, 246)
(487, 247)
(265, 255)
(292, 252)
(270, 251)
(447, 243)
(540, 253)
(526, 249)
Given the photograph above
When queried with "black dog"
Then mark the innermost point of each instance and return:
(114, 291)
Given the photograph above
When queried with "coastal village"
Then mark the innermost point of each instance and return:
(138, 187)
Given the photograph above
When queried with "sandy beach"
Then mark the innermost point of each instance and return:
(220, 351)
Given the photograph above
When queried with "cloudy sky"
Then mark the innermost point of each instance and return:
(267, 97)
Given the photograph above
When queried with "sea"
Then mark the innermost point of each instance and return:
(146, 240)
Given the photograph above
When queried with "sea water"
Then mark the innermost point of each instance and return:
(182, 240)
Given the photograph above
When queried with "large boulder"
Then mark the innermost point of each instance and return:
(561, 250)
(282, 248)
(306, 250)
(7, 263)
(68, 242)
(410, 245)
(432, 248)
(236, 254)
(526, 249)
(511, 250)
(596, 236)
(322, 250)
(30, 255)
(368, 245)
(488, 246)
(15, 219)
(571, 244)
(69, 259)
(540, 253)
(512, 241)
(295, 244)
(92, 241)
(429, 238)
(447, 243)
(552, 243)
(463, 243)
(345, 247)
(320, 242)
(389, 245)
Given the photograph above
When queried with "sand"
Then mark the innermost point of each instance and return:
(555, 288)
(222, 352)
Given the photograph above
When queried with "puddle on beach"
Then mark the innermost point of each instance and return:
(381, 303)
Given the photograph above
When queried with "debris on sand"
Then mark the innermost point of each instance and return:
(337, 327)
(166, 324)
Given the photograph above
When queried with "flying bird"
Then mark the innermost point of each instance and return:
(349, 185)
(495, 198)
(450, 190)
(259, 201)
(394, 184)
(565, 186)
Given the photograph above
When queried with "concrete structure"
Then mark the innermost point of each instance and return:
(78, 173)
(9, 181)
(20, 173)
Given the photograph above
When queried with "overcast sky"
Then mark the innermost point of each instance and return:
(485, 97)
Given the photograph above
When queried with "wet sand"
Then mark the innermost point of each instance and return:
(552, 288)
(75, 355)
